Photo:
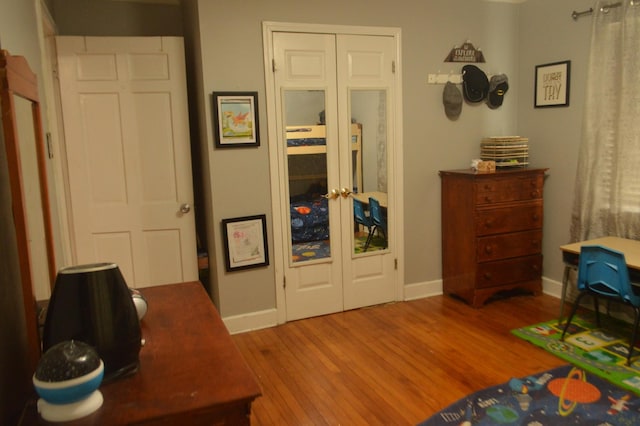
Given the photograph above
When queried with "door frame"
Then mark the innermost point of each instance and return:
(279, 256)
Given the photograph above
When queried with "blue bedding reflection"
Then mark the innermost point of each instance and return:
(309, 220)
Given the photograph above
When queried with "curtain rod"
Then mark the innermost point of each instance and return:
(605, 8)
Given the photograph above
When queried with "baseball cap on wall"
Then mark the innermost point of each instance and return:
(475, 84)
(498, 86)
(452, 100)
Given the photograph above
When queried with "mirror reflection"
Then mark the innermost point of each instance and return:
(33, 198)
(309, 195)
(370, 198)
(307, 174)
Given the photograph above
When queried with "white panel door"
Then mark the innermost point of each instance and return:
(125, 118)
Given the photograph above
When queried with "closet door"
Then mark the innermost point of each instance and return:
(305, 81)
(365, 70)
(334, 99)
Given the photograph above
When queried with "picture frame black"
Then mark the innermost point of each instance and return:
(245, 242)
(235, 119)
(552, 84)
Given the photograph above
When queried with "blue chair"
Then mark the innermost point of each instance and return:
(361, 218)
(602, 272)
(378, 219)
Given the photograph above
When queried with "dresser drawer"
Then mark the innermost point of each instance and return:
(504, 246)
(501, 272)
(490, 191)
(511, 219)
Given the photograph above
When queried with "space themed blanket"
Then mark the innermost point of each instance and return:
(566, 395)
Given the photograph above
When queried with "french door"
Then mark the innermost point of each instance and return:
(333, 105)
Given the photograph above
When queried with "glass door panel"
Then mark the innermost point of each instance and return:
(369, 170)
(307, 175)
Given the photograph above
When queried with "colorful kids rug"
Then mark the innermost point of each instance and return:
(320, 249)
(566, 395)
(601, 351)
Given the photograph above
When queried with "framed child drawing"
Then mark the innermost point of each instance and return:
(235, 118)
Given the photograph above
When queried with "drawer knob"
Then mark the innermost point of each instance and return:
(488, 249)
(488, 199)
(487, 276)
(535, 194)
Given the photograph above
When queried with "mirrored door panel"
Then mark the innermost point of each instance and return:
(309, 197)
(369, 170)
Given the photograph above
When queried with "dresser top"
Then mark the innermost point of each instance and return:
(501, 172)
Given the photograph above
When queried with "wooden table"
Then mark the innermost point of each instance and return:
(191, 372)
(363, 197)
(571, 258)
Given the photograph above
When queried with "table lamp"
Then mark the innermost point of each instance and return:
(92, 304)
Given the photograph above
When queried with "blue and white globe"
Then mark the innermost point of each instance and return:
(67, 380)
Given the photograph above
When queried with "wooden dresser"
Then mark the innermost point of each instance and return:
(491, 232)
(191, 372)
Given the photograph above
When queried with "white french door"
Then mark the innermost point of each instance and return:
(333, 108)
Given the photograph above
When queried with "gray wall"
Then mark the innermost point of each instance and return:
(547, 34)
(513, 37)
(225, 43)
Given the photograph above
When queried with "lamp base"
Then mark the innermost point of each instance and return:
(67, 412)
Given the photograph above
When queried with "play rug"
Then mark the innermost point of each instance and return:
(566, 395)
(598, 350)
(321, 249)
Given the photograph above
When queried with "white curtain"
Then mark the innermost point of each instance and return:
(607, 192)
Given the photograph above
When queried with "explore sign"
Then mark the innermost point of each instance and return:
(465, 53)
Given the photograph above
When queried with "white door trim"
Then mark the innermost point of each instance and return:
(269, 27)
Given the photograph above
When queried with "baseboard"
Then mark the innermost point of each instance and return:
(421, 290)
(434, 288)
(251, 321)
(552, 287)
(269, 317)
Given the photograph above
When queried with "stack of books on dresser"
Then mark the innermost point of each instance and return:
(506, 151)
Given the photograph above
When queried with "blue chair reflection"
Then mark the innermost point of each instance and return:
(378, 219)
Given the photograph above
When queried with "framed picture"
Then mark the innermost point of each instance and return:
(235, 118)
(245, 242)
(552, 84)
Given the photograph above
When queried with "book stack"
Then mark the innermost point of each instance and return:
(506, 151)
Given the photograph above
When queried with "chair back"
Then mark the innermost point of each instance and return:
(359, 215)
(376, 213)
(604, 271)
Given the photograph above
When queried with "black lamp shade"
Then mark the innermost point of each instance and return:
(92, 304)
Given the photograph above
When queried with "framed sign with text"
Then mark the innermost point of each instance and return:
(552, 84)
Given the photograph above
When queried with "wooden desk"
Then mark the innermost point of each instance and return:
(571, 257)
(363, 197)
(191, 372)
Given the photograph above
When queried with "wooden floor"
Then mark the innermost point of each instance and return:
(394, 364)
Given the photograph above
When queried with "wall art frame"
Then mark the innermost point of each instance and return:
(245, 242)
(552, 84)
(235, 119)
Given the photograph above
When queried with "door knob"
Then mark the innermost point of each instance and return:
(185, 208)
(332, 195)
(345, 192)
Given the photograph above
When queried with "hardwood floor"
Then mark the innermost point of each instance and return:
(393, 364)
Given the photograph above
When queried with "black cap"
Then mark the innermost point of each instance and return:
(474, 83)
